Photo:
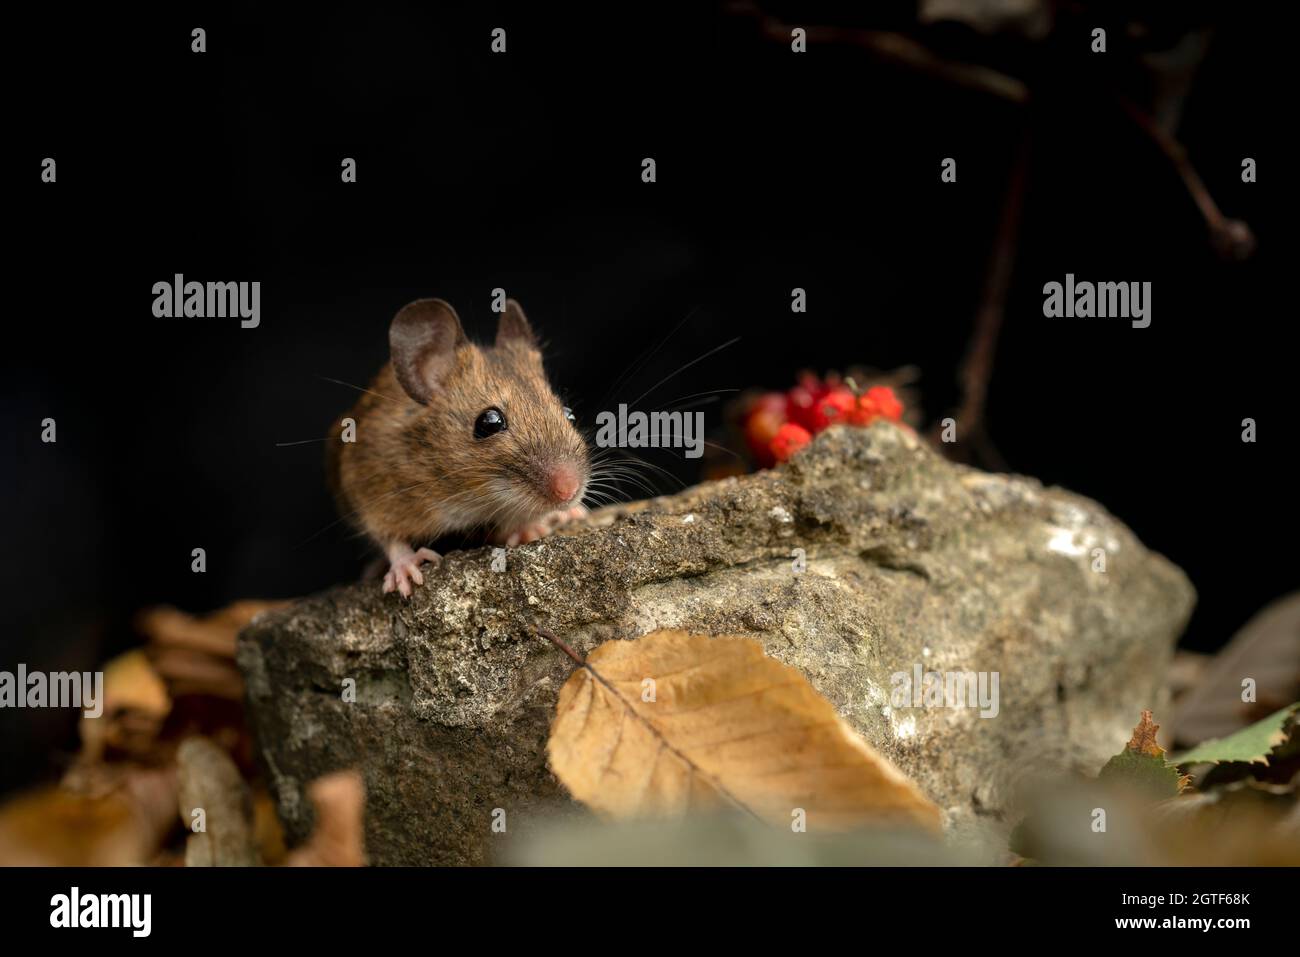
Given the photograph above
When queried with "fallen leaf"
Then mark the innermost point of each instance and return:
(725, 725)
(135, 704)
(1243, 824)
(1250, 745)
(210, 784)
(58, 826)
(116, 803)
(131, 682)
(338, 839)
(214, 633)
(195, 654)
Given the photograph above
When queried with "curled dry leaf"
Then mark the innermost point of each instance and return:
(195, 654)
(134, 707)
(721, 724)
(1144, 737)
(210, 784)
(339, 837)
(214, 633)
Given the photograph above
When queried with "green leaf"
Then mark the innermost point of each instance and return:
(1142, 764)
(1145, 771)
(1250, 745)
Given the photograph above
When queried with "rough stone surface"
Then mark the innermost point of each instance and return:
(910, 560)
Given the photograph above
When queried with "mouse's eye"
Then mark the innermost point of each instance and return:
(489, 422)
(568, 414)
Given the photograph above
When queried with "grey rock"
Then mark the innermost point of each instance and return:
(910, 560)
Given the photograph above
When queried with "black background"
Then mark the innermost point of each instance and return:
(285, 903)
(523, 171)
(277, 904)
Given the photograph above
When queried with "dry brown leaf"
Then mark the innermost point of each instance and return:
(192, 672)
(214, 633)
(130, 682)
(58, 826)
(1243, 824)
(339, 837)
(1144, 737)
(117, 801)
(195, 654)
(727, 726)
(134, 707)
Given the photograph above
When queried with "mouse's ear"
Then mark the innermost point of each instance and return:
(514, 325)
(423, 338)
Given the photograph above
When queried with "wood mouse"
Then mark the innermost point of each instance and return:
(451, 437)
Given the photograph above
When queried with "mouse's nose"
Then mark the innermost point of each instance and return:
(562, 484)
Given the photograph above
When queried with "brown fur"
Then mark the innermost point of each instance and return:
(416, 472)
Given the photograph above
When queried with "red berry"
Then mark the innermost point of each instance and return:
(790, 438)
(865, 412)
(760, 429)
(833, 408)
(802, 402)
(886, 402)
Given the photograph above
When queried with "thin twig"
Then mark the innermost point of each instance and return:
(896, 48)
(977, 367)
(1232, 238)
(555, 640)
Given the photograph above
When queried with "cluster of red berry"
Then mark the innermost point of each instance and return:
(778, 424)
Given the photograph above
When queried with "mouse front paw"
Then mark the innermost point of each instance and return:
(404, 567)
(543, 526)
